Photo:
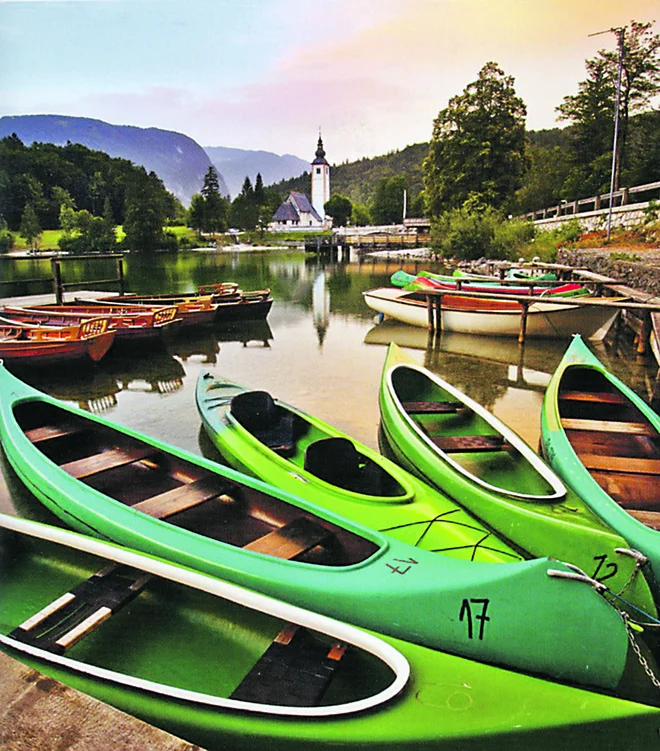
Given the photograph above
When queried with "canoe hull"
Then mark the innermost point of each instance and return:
(562, 456)
(464, 710)
(90, 349)
(494, 318)
(513, 491)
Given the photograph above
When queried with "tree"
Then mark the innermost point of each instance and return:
(30, 228)
(387, 206)
(592, 108)
(339, 208)
(478, 146)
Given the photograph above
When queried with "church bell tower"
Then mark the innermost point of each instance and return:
(320, 180)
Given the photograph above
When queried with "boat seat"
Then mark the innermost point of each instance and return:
(432, 407)
(649, 518)
(601, 397)
(292, 539)
(621, 464)
(257, 412)
(335, 460)
(295, 670)
(471, 443)
(65, 621)
(608, 426)
(47, 432)
(105, 460)
(186, 496)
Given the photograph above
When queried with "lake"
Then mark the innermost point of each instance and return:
(320, 349)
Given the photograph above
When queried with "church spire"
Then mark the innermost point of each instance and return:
(320, 151)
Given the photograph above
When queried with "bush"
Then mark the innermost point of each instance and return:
(472, 233)
(6, 241)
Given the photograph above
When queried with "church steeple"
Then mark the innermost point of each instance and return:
(320, 179)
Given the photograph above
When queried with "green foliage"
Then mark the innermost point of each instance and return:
(544, 245)
(360, 216)
(209, 211)
(473, 232)
(478, 147)
(6, 237)
(30, 228)
(339, 208)
(83, 232)
(48, 176)
(387, 207)
(254, 206)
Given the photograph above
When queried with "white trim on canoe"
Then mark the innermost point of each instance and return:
(549, 320)
(559, 489)
(253, 600)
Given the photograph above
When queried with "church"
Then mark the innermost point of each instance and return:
(297, 211)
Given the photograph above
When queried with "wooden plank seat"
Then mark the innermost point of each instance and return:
(649, 518)
(628, 464)
(105, 460)
(296, 537)
(608, 426)
(471, 443)
(184, 497)
(295, 670)
(601, 397)
(432, 407)
(47, 432)
(74, 615)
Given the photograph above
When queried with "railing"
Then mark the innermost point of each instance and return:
(59, 286)
(620, 198)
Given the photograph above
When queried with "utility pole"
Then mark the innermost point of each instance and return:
(620, 35)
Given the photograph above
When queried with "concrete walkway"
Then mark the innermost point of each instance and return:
(40, 714)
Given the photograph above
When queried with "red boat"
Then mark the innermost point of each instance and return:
(25, 343)
(131, 322)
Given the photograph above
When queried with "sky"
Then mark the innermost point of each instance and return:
(267, 74)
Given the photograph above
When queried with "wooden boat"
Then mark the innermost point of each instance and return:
(494, 317)
(225, 305)
(197, 310)
(425, 280)
(206, 660)
(604, 441)
(31, 344)
(137, 491)
(454, 444)
(131, 322)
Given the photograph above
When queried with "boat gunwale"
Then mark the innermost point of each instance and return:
(300, 473)
(326, 625)
(512, 438)
(175, 532)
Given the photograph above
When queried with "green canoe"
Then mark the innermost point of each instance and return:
(604, 441)
(450, 441)
(197, 656)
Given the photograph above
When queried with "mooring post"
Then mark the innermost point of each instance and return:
(429, 312)
(523, 321)
(120, 274)
(57, 280)
(644, 334)
(438, 314)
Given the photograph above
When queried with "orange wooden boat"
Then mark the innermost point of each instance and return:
(26, 343)
(131, 322)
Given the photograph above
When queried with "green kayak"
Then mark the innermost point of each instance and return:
(204, 659)
(450, 441)
(137, 491)
(604, 441)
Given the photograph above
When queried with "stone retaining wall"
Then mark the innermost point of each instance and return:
(637, 269)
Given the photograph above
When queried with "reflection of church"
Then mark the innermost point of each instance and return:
(297, 211)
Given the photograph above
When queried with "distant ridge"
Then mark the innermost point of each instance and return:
(237, 164)
(177, 159)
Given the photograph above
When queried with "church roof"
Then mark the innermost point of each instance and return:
(296, 204)
(320, 153)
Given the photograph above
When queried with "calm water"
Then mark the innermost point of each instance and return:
(320, 349)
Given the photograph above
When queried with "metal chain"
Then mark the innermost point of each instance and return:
(642, 660)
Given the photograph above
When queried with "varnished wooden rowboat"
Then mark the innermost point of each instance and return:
(604, 441)
(131, 322)
(118, 484)
(24, 343)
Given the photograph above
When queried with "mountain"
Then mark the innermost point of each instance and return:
(237, 164)
(178, 160)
